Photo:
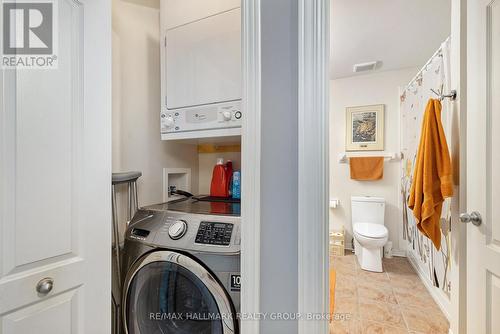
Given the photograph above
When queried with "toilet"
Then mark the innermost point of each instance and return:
(370, 234)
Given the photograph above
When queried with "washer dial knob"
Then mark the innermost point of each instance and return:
(177, 229)
(226, 115)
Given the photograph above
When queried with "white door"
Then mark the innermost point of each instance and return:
(55, 172)
(483, 166)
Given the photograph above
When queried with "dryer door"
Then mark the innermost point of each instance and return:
(168, 292)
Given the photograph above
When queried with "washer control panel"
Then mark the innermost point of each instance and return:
(214, 233)
(183, 231)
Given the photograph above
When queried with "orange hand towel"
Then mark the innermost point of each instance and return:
(367, 168)
(432, 176)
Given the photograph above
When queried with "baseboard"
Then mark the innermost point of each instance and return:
(439, 296)
(399, 253)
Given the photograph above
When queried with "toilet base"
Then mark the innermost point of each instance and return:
(368, 258)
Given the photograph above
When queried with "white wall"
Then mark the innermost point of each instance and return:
(376, 88)
(136, 102)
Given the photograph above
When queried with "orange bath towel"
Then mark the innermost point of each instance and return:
(367, 168)
(432, 175)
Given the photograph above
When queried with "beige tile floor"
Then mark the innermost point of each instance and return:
(392, 302)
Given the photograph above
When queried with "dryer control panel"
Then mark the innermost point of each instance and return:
(213, 233)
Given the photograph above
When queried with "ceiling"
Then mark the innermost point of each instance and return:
(399, 33)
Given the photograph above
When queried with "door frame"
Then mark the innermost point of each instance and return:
(313, 187)
(458, 272)
(250, 162)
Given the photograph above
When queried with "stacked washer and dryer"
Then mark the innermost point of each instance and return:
(182, 268)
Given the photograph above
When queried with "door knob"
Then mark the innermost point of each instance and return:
(474, 217)
(45, 286)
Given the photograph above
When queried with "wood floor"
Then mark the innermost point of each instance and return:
(394, 302)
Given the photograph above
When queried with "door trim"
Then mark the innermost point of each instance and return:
(313, 185)
(251, 148)
(458, 272)
(211, 283)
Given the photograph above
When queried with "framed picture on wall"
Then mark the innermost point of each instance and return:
(365, 128)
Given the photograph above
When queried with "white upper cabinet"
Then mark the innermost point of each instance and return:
(201, 69)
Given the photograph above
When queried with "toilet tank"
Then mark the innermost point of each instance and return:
(367, 209)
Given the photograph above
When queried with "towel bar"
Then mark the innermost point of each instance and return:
(344, 158)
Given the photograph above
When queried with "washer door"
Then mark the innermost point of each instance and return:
(168, 292)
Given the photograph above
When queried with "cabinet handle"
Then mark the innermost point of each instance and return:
(45, 286)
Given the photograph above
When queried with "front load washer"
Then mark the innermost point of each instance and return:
(182, 265)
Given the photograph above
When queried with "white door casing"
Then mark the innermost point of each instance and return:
(250, 163)
(458, 111)
(483, 163)
(55, 172)
(313, 97)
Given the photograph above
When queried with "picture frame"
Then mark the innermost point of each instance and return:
(365, 128)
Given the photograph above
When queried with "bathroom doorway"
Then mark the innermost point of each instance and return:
(385, 65)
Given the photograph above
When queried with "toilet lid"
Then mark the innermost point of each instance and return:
(370, 230)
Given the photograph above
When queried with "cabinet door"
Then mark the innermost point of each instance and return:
(55, 174)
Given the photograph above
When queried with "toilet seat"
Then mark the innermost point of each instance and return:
(371, 231)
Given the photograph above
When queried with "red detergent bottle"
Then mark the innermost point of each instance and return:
(219, 185)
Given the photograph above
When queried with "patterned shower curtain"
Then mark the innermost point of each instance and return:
(436, 75)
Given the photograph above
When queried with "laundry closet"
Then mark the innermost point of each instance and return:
(177, 120)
